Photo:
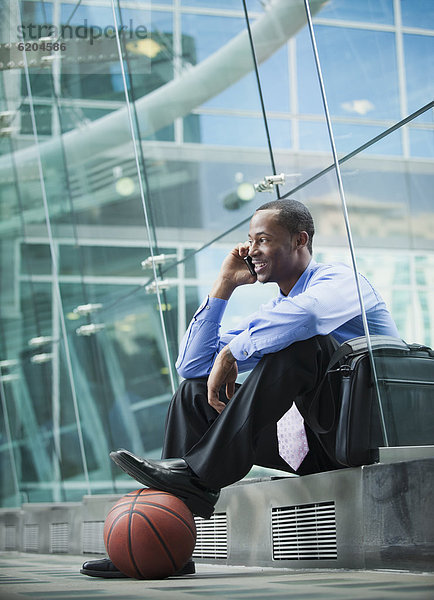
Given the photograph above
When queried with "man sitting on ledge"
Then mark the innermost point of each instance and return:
(216, 430)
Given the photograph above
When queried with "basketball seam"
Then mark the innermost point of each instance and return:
(120, 504)
(162, 542)
(137, 511)
(154, 493)
(112, 525)
(130, 549)
(149, 492)
(109, 534)
(172, 512)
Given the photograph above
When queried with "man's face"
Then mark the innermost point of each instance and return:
(272, 249)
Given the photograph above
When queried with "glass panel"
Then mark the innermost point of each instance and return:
(229, 131)
(200, 145)
(361, 81)
(369, 11)
(256, 5)
(422, 142)
(417, 13)
(123, 369)
(313, 136)
(372, 219)
(388, 208)
(419, 71)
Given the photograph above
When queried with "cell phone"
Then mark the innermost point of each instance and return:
(249, 263)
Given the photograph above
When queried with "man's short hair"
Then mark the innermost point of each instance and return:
(293, 215)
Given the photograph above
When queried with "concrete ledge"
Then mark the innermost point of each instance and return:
(398, 515)
(383, 518)
(373, 517)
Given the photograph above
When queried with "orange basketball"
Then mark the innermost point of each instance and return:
(149, 534)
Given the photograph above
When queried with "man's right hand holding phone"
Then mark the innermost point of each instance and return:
(233, 273)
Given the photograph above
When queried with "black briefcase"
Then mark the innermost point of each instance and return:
(394, 409)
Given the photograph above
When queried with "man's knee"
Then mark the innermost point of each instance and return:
(324, 342)
(191, 385)
(184, 386)
(309, 346)
(190, 391)
(308, 357)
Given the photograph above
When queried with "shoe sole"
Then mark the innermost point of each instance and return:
(188, 569)
(104, 574)
(195, 504)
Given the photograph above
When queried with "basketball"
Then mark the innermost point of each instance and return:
(149, 534)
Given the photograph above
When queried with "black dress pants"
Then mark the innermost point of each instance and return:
(221, 449)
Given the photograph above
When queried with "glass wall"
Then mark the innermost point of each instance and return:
(131, 135)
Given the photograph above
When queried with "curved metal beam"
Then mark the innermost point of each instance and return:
(178, 97)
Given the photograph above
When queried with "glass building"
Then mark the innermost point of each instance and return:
(132, 134)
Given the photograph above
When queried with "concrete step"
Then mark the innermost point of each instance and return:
(373, 517)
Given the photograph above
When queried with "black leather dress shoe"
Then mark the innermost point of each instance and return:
(173, 476)
(103, 567)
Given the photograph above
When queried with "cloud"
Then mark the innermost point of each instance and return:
(360, 107)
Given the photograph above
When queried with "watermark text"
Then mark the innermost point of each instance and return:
(91, 33)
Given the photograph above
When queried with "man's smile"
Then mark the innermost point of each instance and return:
(259, 266)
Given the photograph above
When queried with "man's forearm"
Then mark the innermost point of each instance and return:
(224, 371)
(222, 288)
(227, 357)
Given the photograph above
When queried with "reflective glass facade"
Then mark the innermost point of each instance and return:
(115, 149)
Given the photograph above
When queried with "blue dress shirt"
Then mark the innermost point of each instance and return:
(323, 301)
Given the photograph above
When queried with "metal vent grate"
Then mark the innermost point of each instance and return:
(93, 537)
(304, 532)
(10, 537)
(212, 537)
(59, 537)
(31, 538)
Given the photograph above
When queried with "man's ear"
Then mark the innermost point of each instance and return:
(302, 239)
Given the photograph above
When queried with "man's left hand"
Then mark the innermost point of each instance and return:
(224, 371)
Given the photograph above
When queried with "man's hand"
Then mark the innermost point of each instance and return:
(224, 371)
(233, 273)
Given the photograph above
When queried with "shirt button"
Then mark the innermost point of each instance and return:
(208, 307)
(245, 352)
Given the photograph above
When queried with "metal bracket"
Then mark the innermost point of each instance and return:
(6, 117)
(160, 259)
(9, 377)
(151, 288)
(269, 181)
(7, 131)
(9, 363)
(86, 330)
(39, 359)
(41, 341)
(86, 309)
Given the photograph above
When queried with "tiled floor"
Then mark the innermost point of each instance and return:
(57, 577)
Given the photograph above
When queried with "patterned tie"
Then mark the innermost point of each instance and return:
(291, 437)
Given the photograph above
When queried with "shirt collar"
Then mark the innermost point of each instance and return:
(298, 287)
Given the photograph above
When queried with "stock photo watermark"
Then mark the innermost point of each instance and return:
(91, 33)
(81, 45)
